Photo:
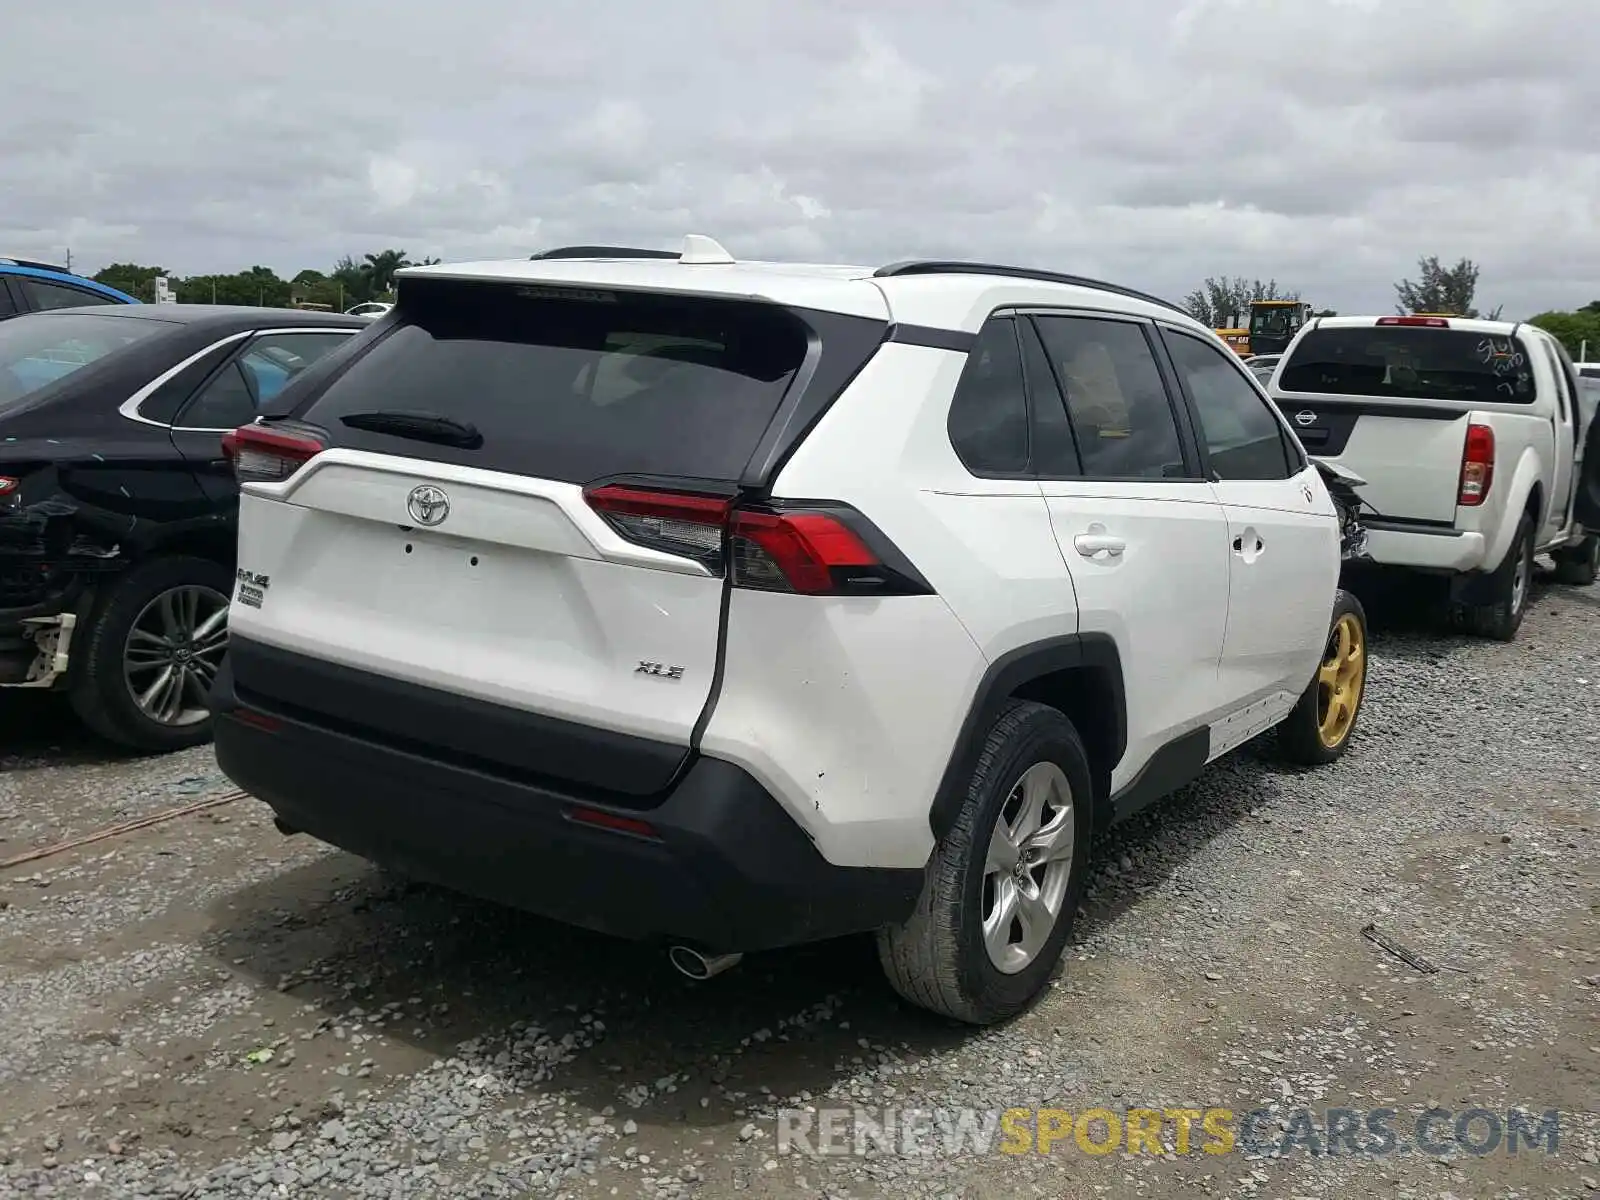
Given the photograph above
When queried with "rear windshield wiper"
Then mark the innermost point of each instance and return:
(422, 426)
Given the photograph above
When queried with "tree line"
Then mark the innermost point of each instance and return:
(351, 281)
(1220, 302)
(1224, 303)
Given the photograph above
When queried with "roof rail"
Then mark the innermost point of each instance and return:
(921, 266)
(600, 252)
(34, 263)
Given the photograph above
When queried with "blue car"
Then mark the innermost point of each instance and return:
(27, 286)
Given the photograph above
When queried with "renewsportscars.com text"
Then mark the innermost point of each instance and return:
(1375, 1132)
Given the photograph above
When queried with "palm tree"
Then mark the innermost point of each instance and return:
(380, 268)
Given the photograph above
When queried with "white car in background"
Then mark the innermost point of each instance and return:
(372, 310)
(1262, 366)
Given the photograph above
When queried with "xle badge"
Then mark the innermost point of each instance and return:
(660, 670)
(252, 587)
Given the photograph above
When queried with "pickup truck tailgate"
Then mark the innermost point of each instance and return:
(1391, 399)
(1409, 454)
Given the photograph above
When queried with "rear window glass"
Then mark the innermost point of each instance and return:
(1411, 362)
(37, 350)
(575, 389)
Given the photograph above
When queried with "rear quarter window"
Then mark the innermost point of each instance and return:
(1411, 363)
(574, 386)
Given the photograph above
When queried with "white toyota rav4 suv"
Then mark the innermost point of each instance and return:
(737, 605)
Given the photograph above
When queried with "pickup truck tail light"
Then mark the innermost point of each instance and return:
(263, 454)
(813, 549)
(1477, 466)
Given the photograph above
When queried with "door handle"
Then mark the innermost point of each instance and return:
(1090, 544)
(1248, 545)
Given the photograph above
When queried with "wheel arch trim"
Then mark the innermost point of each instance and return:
(1013, 670)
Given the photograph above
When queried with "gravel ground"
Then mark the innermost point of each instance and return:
(205, 1008)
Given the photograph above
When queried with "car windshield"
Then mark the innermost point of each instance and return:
(41, 348)
(1411, 362)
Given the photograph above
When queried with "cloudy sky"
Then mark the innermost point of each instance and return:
(1327, 143)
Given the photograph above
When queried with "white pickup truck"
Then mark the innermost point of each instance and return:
(1468, 434)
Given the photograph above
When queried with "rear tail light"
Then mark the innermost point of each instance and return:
(1427, 322)
(680, 523)
(1477, 466)
(263, 454)
(807, 552)
(8, 485)
(810, 550)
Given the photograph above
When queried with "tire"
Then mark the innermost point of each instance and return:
(108, 659)
(1511, 586)
(939, 959)
(1319, 727)
(1578, 565)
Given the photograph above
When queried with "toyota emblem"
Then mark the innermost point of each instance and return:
(428, 505)
(1305, 417)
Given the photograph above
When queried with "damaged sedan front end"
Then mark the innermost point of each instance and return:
(118, 510)
(49, 566)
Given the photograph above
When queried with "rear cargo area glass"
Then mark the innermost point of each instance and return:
(571, 384)
(1411, 363)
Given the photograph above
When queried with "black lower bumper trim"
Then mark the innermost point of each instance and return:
(723, 866)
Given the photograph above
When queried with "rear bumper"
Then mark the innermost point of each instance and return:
(723, 866)
(1425, 549)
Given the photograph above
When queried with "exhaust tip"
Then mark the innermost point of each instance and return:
(700, 967)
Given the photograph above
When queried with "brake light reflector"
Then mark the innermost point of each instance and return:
(1477, 466)
(262, 454)
(613, 821)
(256, 720)
(1428, 322)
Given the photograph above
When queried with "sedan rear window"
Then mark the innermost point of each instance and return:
(1411, 362)
(573, 385)
(38, 349)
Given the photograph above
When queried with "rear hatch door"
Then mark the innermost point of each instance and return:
(444, 543)
(1392, 403)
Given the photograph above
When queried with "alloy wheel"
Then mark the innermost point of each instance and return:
(1028, 867)
(1340, 680)
(173, 652)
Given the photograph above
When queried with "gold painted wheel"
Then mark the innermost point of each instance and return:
(1340, 680)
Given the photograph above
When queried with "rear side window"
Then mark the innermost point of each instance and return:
(38, 349)
(988, 419)
(1121, 416)
(1411, 363)
(225, 403)
(1243, 439)
(44, 295)
(259, 373)
(574, 386)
